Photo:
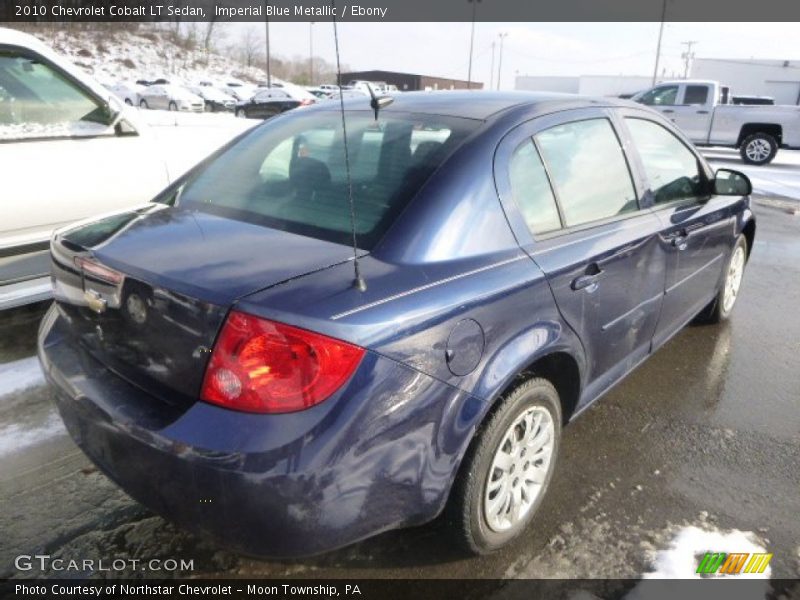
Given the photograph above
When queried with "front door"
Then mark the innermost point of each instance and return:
(697, 228)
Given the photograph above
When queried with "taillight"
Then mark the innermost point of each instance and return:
(262, 366)
(307, 102)
(95, 269)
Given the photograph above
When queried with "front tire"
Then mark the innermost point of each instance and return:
(143, 103)
(721, 307)
(758, 149)
(173, 107)
(508, 468)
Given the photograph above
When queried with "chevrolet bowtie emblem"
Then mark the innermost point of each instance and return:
(96, 302)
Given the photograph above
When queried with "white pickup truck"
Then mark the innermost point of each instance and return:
(69, 149)
(702, 111)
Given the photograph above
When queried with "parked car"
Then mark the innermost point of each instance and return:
(215, 100)
(128, 91)
(346, 94)
(171, 97)
(242, 92)
(265, 104)
(261, 389)
(700, 109)
(69, 150)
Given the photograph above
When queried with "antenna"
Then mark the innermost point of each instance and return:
(358, 282)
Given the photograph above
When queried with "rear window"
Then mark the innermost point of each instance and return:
(291, 174)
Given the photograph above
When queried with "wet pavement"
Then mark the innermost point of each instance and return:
(705, 436)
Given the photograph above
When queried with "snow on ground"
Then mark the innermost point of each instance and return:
(17, 437)
(19, 375)
(689, 544)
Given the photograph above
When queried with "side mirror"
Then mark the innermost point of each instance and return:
(732, 183)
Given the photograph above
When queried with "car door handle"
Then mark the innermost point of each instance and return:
(588, 281)
(702, 112)
(668, 110)
(679, 239)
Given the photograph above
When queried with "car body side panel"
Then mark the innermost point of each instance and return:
(379, 454)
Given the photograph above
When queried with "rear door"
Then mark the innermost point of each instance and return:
(692, 113)
(697, 227)
(575, 208)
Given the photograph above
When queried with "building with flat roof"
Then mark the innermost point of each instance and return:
(410, 82)
(776, 78)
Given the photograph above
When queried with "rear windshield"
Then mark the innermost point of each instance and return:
(290, 174)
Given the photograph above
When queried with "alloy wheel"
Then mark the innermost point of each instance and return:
(734, 279)
(758, 150)
(519, 469)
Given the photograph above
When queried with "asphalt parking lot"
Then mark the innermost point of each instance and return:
(700, 443)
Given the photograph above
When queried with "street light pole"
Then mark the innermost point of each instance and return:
(502, 36)
(269, 75)
(660, 34)
(474, 4)
(491, 71)
(311, 53)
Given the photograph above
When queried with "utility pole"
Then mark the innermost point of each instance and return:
(687, 57)
(474, 4)
(491, 72)
(502, 36)
(660, 35)
(311, 53)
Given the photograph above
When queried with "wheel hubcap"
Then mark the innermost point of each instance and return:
(519, 469)
(758, 150)
(734, 279)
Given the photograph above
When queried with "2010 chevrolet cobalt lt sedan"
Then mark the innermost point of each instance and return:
(516, 254)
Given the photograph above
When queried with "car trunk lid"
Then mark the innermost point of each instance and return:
(146, 291)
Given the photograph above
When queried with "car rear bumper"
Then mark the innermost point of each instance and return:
(378, 455)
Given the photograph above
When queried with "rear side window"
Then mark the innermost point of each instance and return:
(36, 101)
(671, 168)
(695, 94)
(531, 190)
(290, 174)
(588, 170)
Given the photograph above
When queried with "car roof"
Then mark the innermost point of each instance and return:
(476, 104)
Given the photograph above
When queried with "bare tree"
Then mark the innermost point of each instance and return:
(250, 46)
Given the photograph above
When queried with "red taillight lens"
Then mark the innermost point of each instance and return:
(266, 367)
(90, 267)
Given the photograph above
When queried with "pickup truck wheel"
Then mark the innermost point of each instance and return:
(758, 149)
(507, 470)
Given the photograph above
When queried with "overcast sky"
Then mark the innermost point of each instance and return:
(442, 49)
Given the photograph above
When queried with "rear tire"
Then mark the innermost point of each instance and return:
(173, 106)
(721, 307)
(240, 113)
(758, 149)
(143, 103)
(507, 470)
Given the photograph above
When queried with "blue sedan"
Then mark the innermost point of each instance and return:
(314, 337)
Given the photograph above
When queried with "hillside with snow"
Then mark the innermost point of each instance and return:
(150, 53)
